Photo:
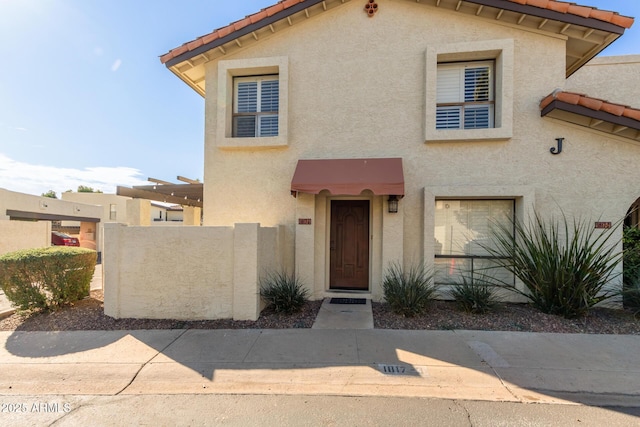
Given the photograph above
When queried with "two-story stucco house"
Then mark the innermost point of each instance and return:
(398, 130)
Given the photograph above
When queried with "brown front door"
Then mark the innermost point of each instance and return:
(349, 245)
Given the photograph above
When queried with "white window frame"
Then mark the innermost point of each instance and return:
(499, 51)
(258, 114)
(224, 101)
(452, 95)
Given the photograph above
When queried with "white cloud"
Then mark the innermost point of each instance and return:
(116, 65)
(38, 179)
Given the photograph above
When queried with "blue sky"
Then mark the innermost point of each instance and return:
(84, 99)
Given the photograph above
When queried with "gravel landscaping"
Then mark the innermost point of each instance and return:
(88, 314)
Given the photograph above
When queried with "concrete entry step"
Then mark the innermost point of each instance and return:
(344, 316)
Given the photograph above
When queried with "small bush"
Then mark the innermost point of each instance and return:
(475, 295)
(631, 295)
(631, 268)
(46, 278)
(564, 266)
(284, 291)
(408, 292)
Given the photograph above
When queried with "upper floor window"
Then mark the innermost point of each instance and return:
(465, 95)
(256, 106)
(112, 212)
(469, 91)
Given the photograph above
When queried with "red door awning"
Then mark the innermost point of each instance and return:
(349, 176)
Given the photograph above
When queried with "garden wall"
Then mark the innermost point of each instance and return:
(187, 273)
(17, 235)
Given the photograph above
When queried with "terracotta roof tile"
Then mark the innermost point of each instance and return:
(241, 24)
(538, 3)
(558, 6)
(278, 7)
(632, 113)
(210, 37)
(615, 109)
(594, 104)
(194, 44)
(554, 5)
(621, 21)
(580, 10)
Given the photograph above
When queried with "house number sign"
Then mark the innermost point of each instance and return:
(304, 221)
(603, 225)
(558, 148)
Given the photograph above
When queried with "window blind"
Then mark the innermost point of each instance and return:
(256, 106)
(464, 96)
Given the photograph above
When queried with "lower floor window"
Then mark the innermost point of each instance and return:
(463, 230)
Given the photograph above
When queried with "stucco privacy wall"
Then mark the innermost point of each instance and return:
(187, 272)
(17, 235)
(357, 88)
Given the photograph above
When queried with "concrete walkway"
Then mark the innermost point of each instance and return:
(344, 316)
(600, 370)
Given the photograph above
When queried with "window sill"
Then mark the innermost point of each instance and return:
(265, 142)
(495, 134)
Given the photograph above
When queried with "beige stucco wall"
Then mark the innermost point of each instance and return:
(613, 78)
(356, 88)
(17, 235)
(188, 273)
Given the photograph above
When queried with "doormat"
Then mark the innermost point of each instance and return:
(348, 301)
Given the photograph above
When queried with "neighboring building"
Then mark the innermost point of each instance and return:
(114, 208)
(26, 220)
(166, 212)
(352, 105)
(120, 209)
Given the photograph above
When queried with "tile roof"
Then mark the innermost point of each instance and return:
(578, 10)
(552, 5)
(594, 104)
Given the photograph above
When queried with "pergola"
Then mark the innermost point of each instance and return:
(188, 194)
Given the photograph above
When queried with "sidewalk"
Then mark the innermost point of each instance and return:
(601, 370)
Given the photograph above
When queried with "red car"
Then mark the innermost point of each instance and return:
(61, 239)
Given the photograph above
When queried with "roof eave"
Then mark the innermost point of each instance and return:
(539, 12)
(265, 22)
(597, 120)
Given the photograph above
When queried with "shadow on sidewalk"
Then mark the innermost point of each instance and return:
(588, 369)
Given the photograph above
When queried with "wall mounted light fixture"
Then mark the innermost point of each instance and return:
(393, 203)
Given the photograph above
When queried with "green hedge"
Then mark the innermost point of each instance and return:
(47, 278)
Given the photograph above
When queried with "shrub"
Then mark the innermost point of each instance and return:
(631, 296)
(475, 294)
(46, 278)
(631, 267)
(408, 292)
(284, 291)
(564, 266)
